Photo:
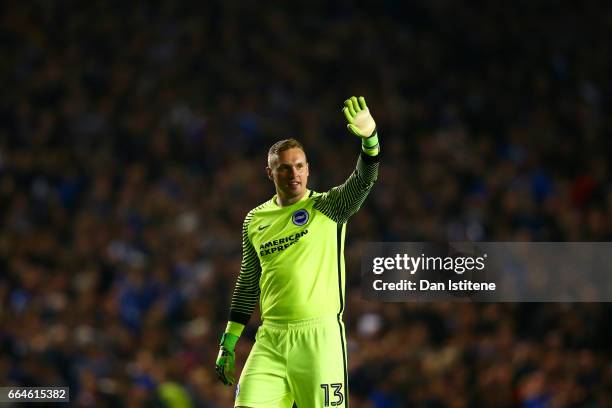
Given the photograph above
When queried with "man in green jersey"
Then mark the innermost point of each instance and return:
(293, 263)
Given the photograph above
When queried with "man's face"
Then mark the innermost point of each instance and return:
(289, 173)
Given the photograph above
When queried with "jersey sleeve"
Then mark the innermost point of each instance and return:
(342, 201)
(246, 291)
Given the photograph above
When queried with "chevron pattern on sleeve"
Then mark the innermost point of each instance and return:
(342, 201)
(246, 292)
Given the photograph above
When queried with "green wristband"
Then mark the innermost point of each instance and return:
(234, 328)
(370, 145)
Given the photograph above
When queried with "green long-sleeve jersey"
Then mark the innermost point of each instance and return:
(293, 256)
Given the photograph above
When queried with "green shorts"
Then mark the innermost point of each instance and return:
(303, 361)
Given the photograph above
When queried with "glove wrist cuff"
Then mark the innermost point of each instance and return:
(234, 328)
(370, 144)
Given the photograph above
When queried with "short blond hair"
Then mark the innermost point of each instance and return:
(281, 146)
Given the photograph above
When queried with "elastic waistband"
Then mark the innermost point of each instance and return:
(299, 324)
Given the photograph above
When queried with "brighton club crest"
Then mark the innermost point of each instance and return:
(300, 217)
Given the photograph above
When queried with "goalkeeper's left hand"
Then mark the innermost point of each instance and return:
(361, 124)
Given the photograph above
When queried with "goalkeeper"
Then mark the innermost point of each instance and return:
(293, 263)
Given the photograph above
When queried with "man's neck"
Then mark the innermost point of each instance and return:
(286, 201)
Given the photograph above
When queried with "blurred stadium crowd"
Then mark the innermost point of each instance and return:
(133, 140)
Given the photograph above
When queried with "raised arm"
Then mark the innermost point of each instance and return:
(342, 201)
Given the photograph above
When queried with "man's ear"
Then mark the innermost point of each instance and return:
(269, 172)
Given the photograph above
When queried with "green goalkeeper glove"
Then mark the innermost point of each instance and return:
(226, 360)
(361, 124)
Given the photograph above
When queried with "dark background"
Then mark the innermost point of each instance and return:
(133, 140)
